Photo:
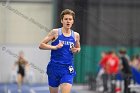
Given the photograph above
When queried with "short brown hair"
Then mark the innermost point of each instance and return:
(67, 11)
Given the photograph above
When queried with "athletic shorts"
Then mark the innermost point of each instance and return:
(21, 72)
(58, 74)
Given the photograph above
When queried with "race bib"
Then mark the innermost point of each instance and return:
(71, 69)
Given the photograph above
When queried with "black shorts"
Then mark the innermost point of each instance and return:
(21, 72)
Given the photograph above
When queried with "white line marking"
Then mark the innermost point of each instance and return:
(32, 91)
(9, 91)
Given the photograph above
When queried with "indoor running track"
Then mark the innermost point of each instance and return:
(26, 88)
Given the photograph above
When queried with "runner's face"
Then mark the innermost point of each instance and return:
(67, 21)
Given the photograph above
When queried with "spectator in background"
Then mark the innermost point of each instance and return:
(110, 64)
(135, 67)
(135, 62)
(125, 69)
(138, 58)
(101, 70)
(99, 78)
(22, 65)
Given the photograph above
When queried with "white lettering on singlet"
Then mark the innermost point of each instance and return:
(67, 43)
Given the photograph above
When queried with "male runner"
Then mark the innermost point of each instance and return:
(64, 43)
